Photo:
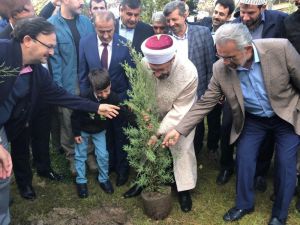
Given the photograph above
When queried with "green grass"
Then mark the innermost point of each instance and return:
(210, 201)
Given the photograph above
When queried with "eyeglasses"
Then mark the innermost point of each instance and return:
(42, 43)
(229, 58)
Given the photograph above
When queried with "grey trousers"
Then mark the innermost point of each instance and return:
(66, 134)
(4, 189)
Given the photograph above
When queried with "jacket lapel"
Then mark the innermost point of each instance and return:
(190, 45)
(266, 66)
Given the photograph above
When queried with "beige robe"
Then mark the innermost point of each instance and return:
(176, 95)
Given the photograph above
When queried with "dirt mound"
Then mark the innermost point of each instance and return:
(100, 216)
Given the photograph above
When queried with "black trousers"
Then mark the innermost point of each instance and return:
(213, 134)
(116, 139)
(266, 149)
(38, 134)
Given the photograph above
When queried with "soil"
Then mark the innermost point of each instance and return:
(100, 216)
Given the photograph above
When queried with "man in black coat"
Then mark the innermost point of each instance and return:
(38, 133)
(129, 24)
(34, 41)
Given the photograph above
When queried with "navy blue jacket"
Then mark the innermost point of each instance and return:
(89, 59)
(273, 25)
(41, 85)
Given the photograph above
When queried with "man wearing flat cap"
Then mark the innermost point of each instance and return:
(176, 85)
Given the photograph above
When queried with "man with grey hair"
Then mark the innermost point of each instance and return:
(260, 80)
(159, 23)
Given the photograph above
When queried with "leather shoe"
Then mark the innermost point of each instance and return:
(107, 187)
(276, 221)
(260, 184)
(235, 214)
(82, 190)
(51, 175)
(224, 176)
(121, 179)
(135, 190)
(185, 201)
(27, 192)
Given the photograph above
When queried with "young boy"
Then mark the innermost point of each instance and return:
(87, 125)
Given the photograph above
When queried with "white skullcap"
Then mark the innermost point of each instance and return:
(253, 2)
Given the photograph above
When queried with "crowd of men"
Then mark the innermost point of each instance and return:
(241, 74)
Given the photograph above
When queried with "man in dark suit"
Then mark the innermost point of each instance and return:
(221, 15)
(195, 43)
(129, 24)
(34, 41)
(92, 50)
(260, 80)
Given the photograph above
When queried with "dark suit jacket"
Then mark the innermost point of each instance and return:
(206, 22)
(273, 25)
(142, 32)
(45, 13)
(89, 59)
(6, 33)
(41, 85)
(292, 29)
(202, 53)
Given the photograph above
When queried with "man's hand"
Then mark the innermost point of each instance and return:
(152, 141)
(5, 163)
(78, 139)
(171, 138)
(108, 111)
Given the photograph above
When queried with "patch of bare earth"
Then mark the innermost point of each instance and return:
(100, 216)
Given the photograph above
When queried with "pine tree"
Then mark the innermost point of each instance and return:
(152, 163)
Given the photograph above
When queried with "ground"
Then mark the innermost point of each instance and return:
(57, 203)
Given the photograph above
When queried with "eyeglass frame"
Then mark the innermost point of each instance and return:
(230, 58)
(42, 43)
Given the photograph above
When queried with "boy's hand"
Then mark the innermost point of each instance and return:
(78, 139)
(107, 110)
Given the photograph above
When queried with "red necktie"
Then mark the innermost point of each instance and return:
(104, 56)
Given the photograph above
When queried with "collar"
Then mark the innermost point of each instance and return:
(256, 59)
(185, 36)
(25, 69)
(123, 27)
(100, 42)
(263, 16)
